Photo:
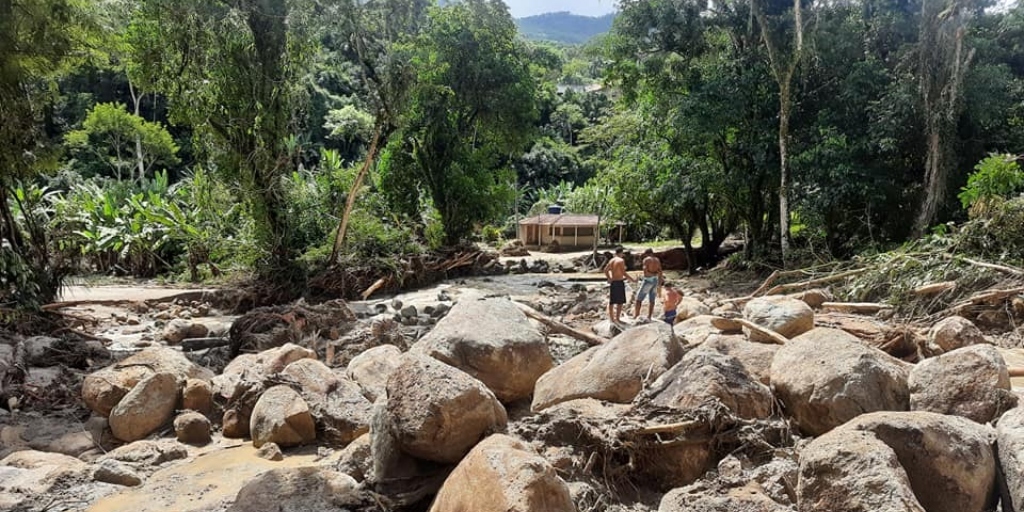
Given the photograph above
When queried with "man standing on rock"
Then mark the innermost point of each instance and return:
(653, 278)
(615, 272)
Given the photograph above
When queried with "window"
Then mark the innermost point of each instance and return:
(585, 231)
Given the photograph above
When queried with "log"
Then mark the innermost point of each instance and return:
(1016, 371)
(726, 325)
(863, 308)
(192, 344)
(792, 287)
(375, 286)
(1014, 271)
(774, 336)
(989, 297)
(560, 328)
(669, 428)
(935, 288)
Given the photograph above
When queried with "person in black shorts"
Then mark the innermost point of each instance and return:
(615, 272)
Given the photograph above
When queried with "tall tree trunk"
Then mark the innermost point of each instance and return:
(784, 110)
(140, 157)
(942, 68)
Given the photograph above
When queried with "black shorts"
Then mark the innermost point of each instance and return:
(618, 295)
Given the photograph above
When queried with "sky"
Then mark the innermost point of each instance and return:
(520, 8)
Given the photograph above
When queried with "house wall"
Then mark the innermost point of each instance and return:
(564, 235)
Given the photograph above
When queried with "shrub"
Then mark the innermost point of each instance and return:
(996, 177)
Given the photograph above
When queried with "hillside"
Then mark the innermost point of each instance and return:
(564, 27)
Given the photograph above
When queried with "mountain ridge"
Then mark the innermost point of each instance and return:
(564, 26)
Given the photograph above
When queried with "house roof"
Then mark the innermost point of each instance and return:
(564, 219)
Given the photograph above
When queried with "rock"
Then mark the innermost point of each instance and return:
(281, 416)
(256, 367)
(786, 316)
(606, 329)
(493, 341)
(972, 382)
(396, 305)
(853, 471)
(38, 348)
(827, 377)
(27, 473)
(690, 307)
(181, 329)
(301, 489)
(502, 475)
(409, 312)
(394, 472)
(755, 357)
(749, 498)
(192, 428)
(949, 460)
(116, 472)
(234, 425)
(149, 405)
(437, 412)
(703, 376)
(343, 414)
(372, 368)
(698, 330)
(314, 377)
(953, 333)
(197, 396)
(146, 453)
(813, 298)
(614, 371)
(356, 460)
(441, 309)
(271, 452)
(102, 390)
(1010, 442)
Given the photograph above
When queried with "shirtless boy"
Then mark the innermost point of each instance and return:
(653, 278)
(672, 300)
(615, 272)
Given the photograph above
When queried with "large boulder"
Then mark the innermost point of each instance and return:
(145, 408)
(853, 471)
(256, 367)
(704, 376)
(786, 316)
(372, 368)
(949, 460)
(690, 307)
(972, 382)
(614, 371)
(493, 341)
(281, 416)
(501, 474)
(697, 330)
(192, 428)
(314, 377)
(301, 489)
(102, 390)
(748, 498)
(827, 377)
(755, 357)
(1010, 442)
(197, 396)
(952, 333)
(437, 412)
(180, 329)
(27, 476)
(343, 414)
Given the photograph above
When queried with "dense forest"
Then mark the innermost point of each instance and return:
(195, 137)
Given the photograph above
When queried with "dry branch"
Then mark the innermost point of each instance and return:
(669, 428)
(1014, 271)
(339, 235)
(862, 308)
(792, 287)
(375, 286)
(935, 288)
(559, 327)
(989, 297)
(772, 335)
(1016, 371)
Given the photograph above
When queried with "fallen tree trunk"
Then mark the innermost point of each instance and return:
(935, 288)
(792, 287)
(863, 308)
(772, 335)
(192, 344)
(560, 328)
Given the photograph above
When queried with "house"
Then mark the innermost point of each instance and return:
(567, 230)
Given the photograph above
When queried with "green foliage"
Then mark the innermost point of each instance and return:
(113, 139)
(998, 233)
(469, 106)
(995, 178)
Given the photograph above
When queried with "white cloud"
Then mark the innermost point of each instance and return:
(520, 8)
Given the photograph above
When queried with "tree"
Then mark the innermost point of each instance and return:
(783, 68)
(39, 39)
(230, 68)
(112, 137)
(470, 105)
